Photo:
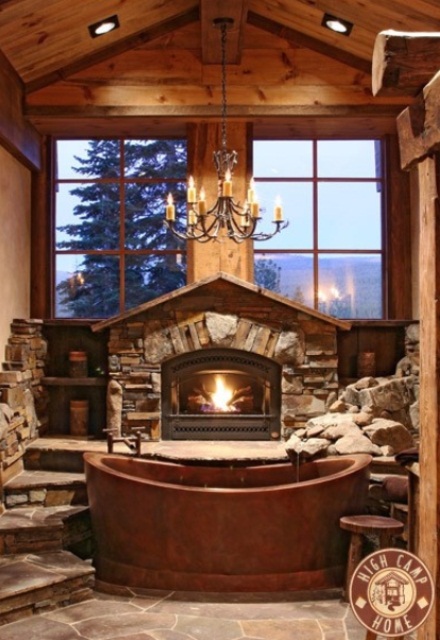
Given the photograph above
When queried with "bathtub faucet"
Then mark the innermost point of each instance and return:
(133, 442)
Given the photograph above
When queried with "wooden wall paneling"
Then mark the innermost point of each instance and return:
(385, 339)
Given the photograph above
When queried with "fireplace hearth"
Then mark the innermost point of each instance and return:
(221, 394)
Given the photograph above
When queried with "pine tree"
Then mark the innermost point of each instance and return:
(151, 168)
(267, 274)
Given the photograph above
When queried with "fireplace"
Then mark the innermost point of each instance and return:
(221, 394)
(168, 357)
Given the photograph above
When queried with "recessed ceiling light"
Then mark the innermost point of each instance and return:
(337, 24)
(103, 26)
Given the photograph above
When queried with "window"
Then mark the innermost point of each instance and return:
(112, 250)
(331, 256)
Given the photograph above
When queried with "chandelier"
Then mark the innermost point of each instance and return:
(226, 217)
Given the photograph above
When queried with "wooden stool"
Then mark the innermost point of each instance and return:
(385, 528)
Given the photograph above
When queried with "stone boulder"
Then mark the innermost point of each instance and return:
(290, 347)
(343, 429)
(309, 449)
(221, 328)
(351, 444)
(389, 433)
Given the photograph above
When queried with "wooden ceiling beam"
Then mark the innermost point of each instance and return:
(246, 112)
(403, 63)
(125, 44)
(17, 135)
(297, 38)
(417, 126)
(209, 11)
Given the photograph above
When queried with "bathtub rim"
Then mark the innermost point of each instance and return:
(96, 460)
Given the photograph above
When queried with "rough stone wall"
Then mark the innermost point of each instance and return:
(23, 400)
(305, 347)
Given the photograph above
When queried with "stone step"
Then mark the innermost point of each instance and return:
(63, 453)
(45, 488)
(39, 529)
(39, 582)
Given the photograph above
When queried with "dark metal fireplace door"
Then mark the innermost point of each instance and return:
(221, 394)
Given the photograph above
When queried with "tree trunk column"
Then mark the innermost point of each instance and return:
(207, 259)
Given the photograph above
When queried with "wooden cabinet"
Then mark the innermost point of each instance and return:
(63, 337)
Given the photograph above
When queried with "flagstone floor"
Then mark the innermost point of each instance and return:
(161, 615)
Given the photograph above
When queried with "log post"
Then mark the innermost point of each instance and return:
(429, 500)
(206, 259)
(401, 63)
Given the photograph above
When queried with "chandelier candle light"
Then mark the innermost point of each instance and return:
(234, 220)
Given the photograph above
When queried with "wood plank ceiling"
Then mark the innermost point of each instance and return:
(47, 41)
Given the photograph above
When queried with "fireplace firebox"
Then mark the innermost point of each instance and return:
(221, 394)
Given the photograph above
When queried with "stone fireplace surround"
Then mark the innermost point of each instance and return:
(219, 312)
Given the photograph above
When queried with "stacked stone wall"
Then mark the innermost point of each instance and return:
(23, 399)
(304, 346)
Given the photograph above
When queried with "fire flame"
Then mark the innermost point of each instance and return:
(222, 395)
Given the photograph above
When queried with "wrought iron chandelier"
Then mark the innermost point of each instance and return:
(226, 217)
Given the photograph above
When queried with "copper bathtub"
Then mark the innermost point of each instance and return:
(162, 525)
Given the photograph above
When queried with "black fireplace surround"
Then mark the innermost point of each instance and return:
(188, 385)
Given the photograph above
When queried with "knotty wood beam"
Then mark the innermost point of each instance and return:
(125, 44)
(404, 62)
(16, 134)
(212, 111)
(298, 38)
(209, 11)
(417, 126)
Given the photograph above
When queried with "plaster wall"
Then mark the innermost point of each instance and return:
(15, 217)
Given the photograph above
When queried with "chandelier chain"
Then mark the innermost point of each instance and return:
(224, 99)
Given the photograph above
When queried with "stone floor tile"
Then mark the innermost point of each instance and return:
(282, 629)
(332, 629)
(171, 634)
(39, 628)
(105, 627)
(135, 636)
(238, 608)
(91, 609)
(201, 628)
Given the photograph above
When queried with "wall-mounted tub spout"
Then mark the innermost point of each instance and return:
(133, 442)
